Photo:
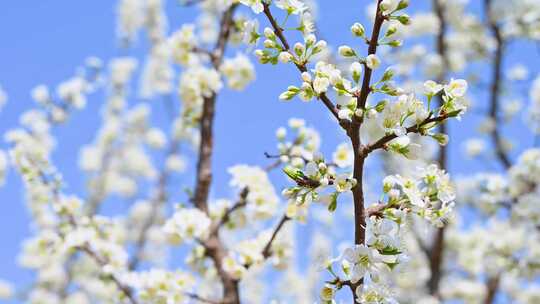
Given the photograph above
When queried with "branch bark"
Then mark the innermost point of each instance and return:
(215, 249)
(495, 87)
(492, 288)
(242, 202)
(267, 251)
(354, 135)
(436, 252)
(102, 262)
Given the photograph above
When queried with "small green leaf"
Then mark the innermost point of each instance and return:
(333, 203)
(390, 251)
(332, 206)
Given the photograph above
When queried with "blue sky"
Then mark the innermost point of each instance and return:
(44, 42)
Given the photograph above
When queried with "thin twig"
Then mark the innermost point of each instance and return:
(381, 142)
(102, 262)
(267, 250)
(242, 202)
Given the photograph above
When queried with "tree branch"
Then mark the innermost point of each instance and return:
(372, 49)
(267, 250)
(242, 202)
(377, 210)
(495, 89)
(435, 254)
(354, 135)
(492, 288)
(381, 142)
(102, 262)
(215, 249)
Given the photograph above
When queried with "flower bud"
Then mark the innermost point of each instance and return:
(388, 6)
(381, 105)
(372, 113)
(372, 61)
(327, 293)
(318, 47)
(356, 71)
(310, 40)
(269, 33)
(403, 4)
(395, 43)
(346, 51)
(392, 29)
(404, 19)
(269, 44)
(306, 76)
(442, 139)
(285, 57)
(281, 133)
(299, 49)
(388, 74)
(358, 30)
(344, 114)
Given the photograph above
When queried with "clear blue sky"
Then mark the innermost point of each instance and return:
(44, 41)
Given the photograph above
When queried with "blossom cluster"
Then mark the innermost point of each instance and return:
(428, 195)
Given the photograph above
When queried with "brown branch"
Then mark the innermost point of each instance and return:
(242, 202)
(438, 7)
(267, 250)
(495, 86)
(492, 287)
(435, 254)
(381, 142)
(204, 164)
(377, 210)
(215, 249)
(102, 262)
(359, 156)
(372, 49)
